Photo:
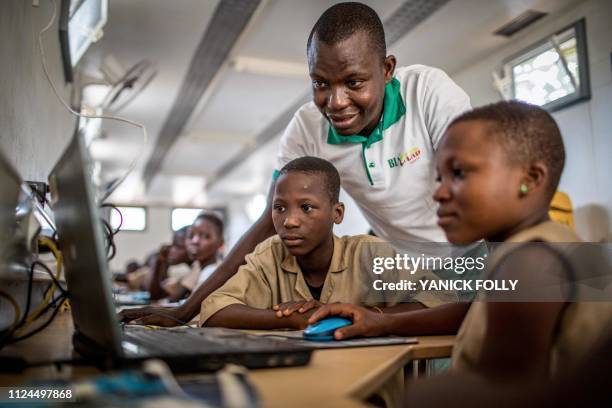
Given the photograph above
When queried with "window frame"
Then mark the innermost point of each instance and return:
(146, 213)
(584, 90)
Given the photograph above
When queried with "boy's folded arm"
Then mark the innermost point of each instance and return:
(240, 316)
(249, 286)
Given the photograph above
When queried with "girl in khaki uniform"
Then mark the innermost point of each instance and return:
(498, 168)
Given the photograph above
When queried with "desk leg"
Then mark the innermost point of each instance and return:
(391, 394)
(419, 369)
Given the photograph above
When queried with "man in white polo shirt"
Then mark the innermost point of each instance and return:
(390, 172)
(379, 126)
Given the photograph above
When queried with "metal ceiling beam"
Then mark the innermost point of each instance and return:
(410, 14)
(226, 25)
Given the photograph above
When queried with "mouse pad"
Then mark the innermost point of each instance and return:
(295, 337)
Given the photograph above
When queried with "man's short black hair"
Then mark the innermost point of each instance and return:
(316, 165)
(213, 218)
(527, 132)
(342, 20)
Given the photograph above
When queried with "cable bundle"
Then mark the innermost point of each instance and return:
(18, 330)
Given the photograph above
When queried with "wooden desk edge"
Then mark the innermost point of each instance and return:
(441, 348)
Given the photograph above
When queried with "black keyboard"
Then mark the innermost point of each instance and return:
(179, 341)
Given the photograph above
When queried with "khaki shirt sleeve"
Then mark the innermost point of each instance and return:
(249, 286)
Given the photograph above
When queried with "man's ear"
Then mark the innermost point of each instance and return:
(389, 68)
(535, 177)
(338, 213)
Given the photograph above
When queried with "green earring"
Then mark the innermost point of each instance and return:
(524, 189)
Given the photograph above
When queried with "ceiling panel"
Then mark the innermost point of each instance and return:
(249, 176)
(244, 103)
(197, 158)
(282, 29)
(462, 32)
(158, 30)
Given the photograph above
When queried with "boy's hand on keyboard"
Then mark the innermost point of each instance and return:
(300, 306)
(156, 316)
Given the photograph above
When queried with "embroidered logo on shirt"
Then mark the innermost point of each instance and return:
(410, 156)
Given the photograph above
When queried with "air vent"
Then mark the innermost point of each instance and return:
(524, 20)
(410, 14)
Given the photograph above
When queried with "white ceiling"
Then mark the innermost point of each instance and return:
(239, 105)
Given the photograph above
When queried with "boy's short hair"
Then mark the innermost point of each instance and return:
(342, 20)
(213, 218)
(527, 132)
(316, 165)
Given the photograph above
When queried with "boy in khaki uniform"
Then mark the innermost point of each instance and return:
(288, 276)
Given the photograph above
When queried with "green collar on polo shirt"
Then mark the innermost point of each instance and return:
(393, 110)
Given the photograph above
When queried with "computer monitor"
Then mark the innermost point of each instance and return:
(80, 24)
(82, 245)
(97, 334)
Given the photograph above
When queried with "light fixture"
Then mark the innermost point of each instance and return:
(270, 67)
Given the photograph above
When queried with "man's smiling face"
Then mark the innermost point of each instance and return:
(348, 82)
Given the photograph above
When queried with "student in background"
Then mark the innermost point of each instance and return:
(167, 257)
(498, 168)
(176, 263)
(131, 267)
(201, 245)
(204, 244)
(291, 274)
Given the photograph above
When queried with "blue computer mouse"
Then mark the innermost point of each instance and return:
(324, 329)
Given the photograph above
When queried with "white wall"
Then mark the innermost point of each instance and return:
(586, 127)
(237, 222)
(34, 127)
(133, 245)
(354, 223)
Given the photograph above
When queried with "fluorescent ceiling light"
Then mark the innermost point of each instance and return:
(260, 66)
(219, 137)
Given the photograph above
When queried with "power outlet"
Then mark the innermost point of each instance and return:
(40, 190)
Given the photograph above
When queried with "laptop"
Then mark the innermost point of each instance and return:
(98, 335)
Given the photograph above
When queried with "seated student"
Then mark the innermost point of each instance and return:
(204, 244)
(160, 264)
(201, 245)
(498, 167)
(290, 274)
(149, 275)
(122, 277)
